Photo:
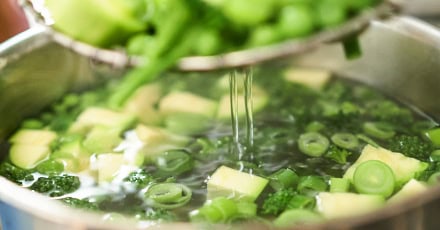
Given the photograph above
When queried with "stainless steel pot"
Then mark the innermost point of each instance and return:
(401, 57)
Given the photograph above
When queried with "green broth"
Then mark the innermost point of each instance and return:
(291, 109)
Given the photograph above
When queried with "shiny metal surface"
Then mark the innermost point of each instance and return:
(401, 57)
(34, 71)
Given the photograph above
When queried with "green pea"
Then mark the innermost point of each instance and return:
(296, 21)
(331, 14)
(249, 12)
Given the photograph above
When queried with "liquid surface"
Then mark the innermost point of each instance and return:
(305, 123)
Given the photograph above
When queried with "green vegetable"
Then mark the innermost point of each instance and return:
(248, 12)
(102, 139)
(379, 130)
(56, 185)
(434, 136)
(277, 202)
(352, 47)
(80, 204)
(301, 202)
(337, 154)
(156, 214)
(339, 185)
(50, 167)
(403, 167)
(434, 178)
(435, 155)
(104, 24)
(313, 144)
(168, 195)
(315, 126)
(311, 184)
(140, 178)
(136, 77)
(32, 124)
(263, 35)
(223, 210)
(331, 13)
(173, 162)
(367, 140)
(246, 209)
(296, 216)
(14, 173)
(283, 179)
(374, 177)
(345, 140)
(411, 146)
(389, 112)
(361, 4)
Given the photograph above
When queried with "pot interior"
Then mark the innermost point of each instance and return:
(400, 58)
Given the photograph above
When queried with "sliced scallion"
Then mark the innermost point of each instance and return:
(301, 202)
(173, 162)
(345, 140)
(339, 185)
(434, 178)
(311, 184)
(434, 136)
(378, 130)
(435, 155)
(367, 140)
(283, 178)
(168, 195)
(374, 177)
(296, 216)
(313, 144)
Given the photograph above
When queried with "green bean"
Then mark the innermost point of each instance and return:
(352, 47)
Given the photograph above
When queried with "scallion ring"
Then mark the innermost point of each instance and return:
(173, 162)
(374, 177)
(313, 144)
(345, 140)
(379, 130)
(168, 195)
